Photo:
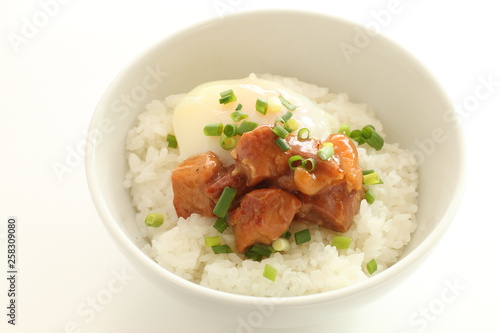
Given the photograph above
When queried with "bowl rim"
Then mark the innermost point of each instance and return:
(402, 266)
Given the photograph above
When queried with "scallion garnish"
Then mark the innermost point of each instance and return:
(367, 172)
(372, 178)
(326, 151)
(212, 241)
(257, 252)
(345, 129)
(291, 125)
(357, 136)
(270, 272)
(302, 237)
(274, 104)
(246, 126)
(154, 220)
(295, 161)
(227, 96)
(227, 142)
(221, 224)
(214, 129)
(224, 202)
(287, 234)
(286, 116)
(218, 249)
(304, 133)
(372, 137)
(309, 164)
(237, 115)
(230, 130)
(261, 105)
(239, 107)
(171, 141)
(371, 266)
(287, 104)
(370, 196)
(280, 131)
(281, 244)
(282, 144)
(341, 243)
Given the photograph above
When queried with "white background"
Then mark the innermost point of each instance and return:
(72, 278)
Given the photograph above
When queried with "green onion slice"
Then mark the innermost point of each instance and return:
(230, 130)
(345, 129)
(171, 141)
(237, 115)
(371, 266)
(341, 243)
(224, 202)
(246, 126)
(372, 179)
(367, 172)
(309, 164)
(291, 125)
(370, 196)
(261, 105)
(281, 244)
(326, 151)
(221, 224)
(287, 104)
(286, 116)
(282, 144)
(304, 133)
(372, 137)
(154, 220)
(287, 234)
(302, 237)
(212, 241)
(270, 272)
(218, 249)
(295, 161)
(280, 131)
(357, 136)
(227, 96)
(214, 129)
(227, 142)
(239, 107)
(257, 252)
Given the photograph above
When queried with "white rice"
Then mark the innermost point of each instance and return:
(380, 230)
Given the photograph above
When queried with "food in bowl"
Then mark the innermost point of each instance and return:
(331, 219)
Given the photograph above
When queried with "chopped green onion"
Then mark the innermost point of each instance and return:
(257, 252)
(287, 234)
(154, 220)
(212, 241)
(280, 131)
(237, 115)
(302, 237)
(287, 104)
(171, 141)
(326, 151)
(214, 129)
(224, 202)
(367, 172)
(371, 266)
(309, 164)
(357, 136)
(372, 137)
(304, 133)
(274, 104)
(286, 116)
(372, 179)
(370, 196)
(221, 224)
(282, 144)
(227, 96)
(291, 125)
(218, 249)
(341, 243)
(281, 244)
(230, 130)
(295, 161)
(345, 129)
(227, 142)
(239, 107)
(270, 272)
(246, 126)
(261, 105)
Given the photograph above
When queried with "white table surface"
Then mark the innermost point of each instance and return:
(71, 276)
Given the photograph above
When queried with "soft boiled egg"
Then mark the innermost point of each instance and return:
(201, 106)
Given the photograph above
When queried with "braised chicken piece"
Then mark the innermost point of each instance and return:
(333, 208)
(348, 160)
(263, 216)
(258, 157)
(189, 180)
(215, 187)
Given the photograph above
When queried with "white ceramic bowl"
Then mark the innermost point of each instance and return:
(315, 48)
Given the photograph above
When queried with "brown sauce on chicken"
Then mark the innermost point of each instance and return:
(270, 195)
